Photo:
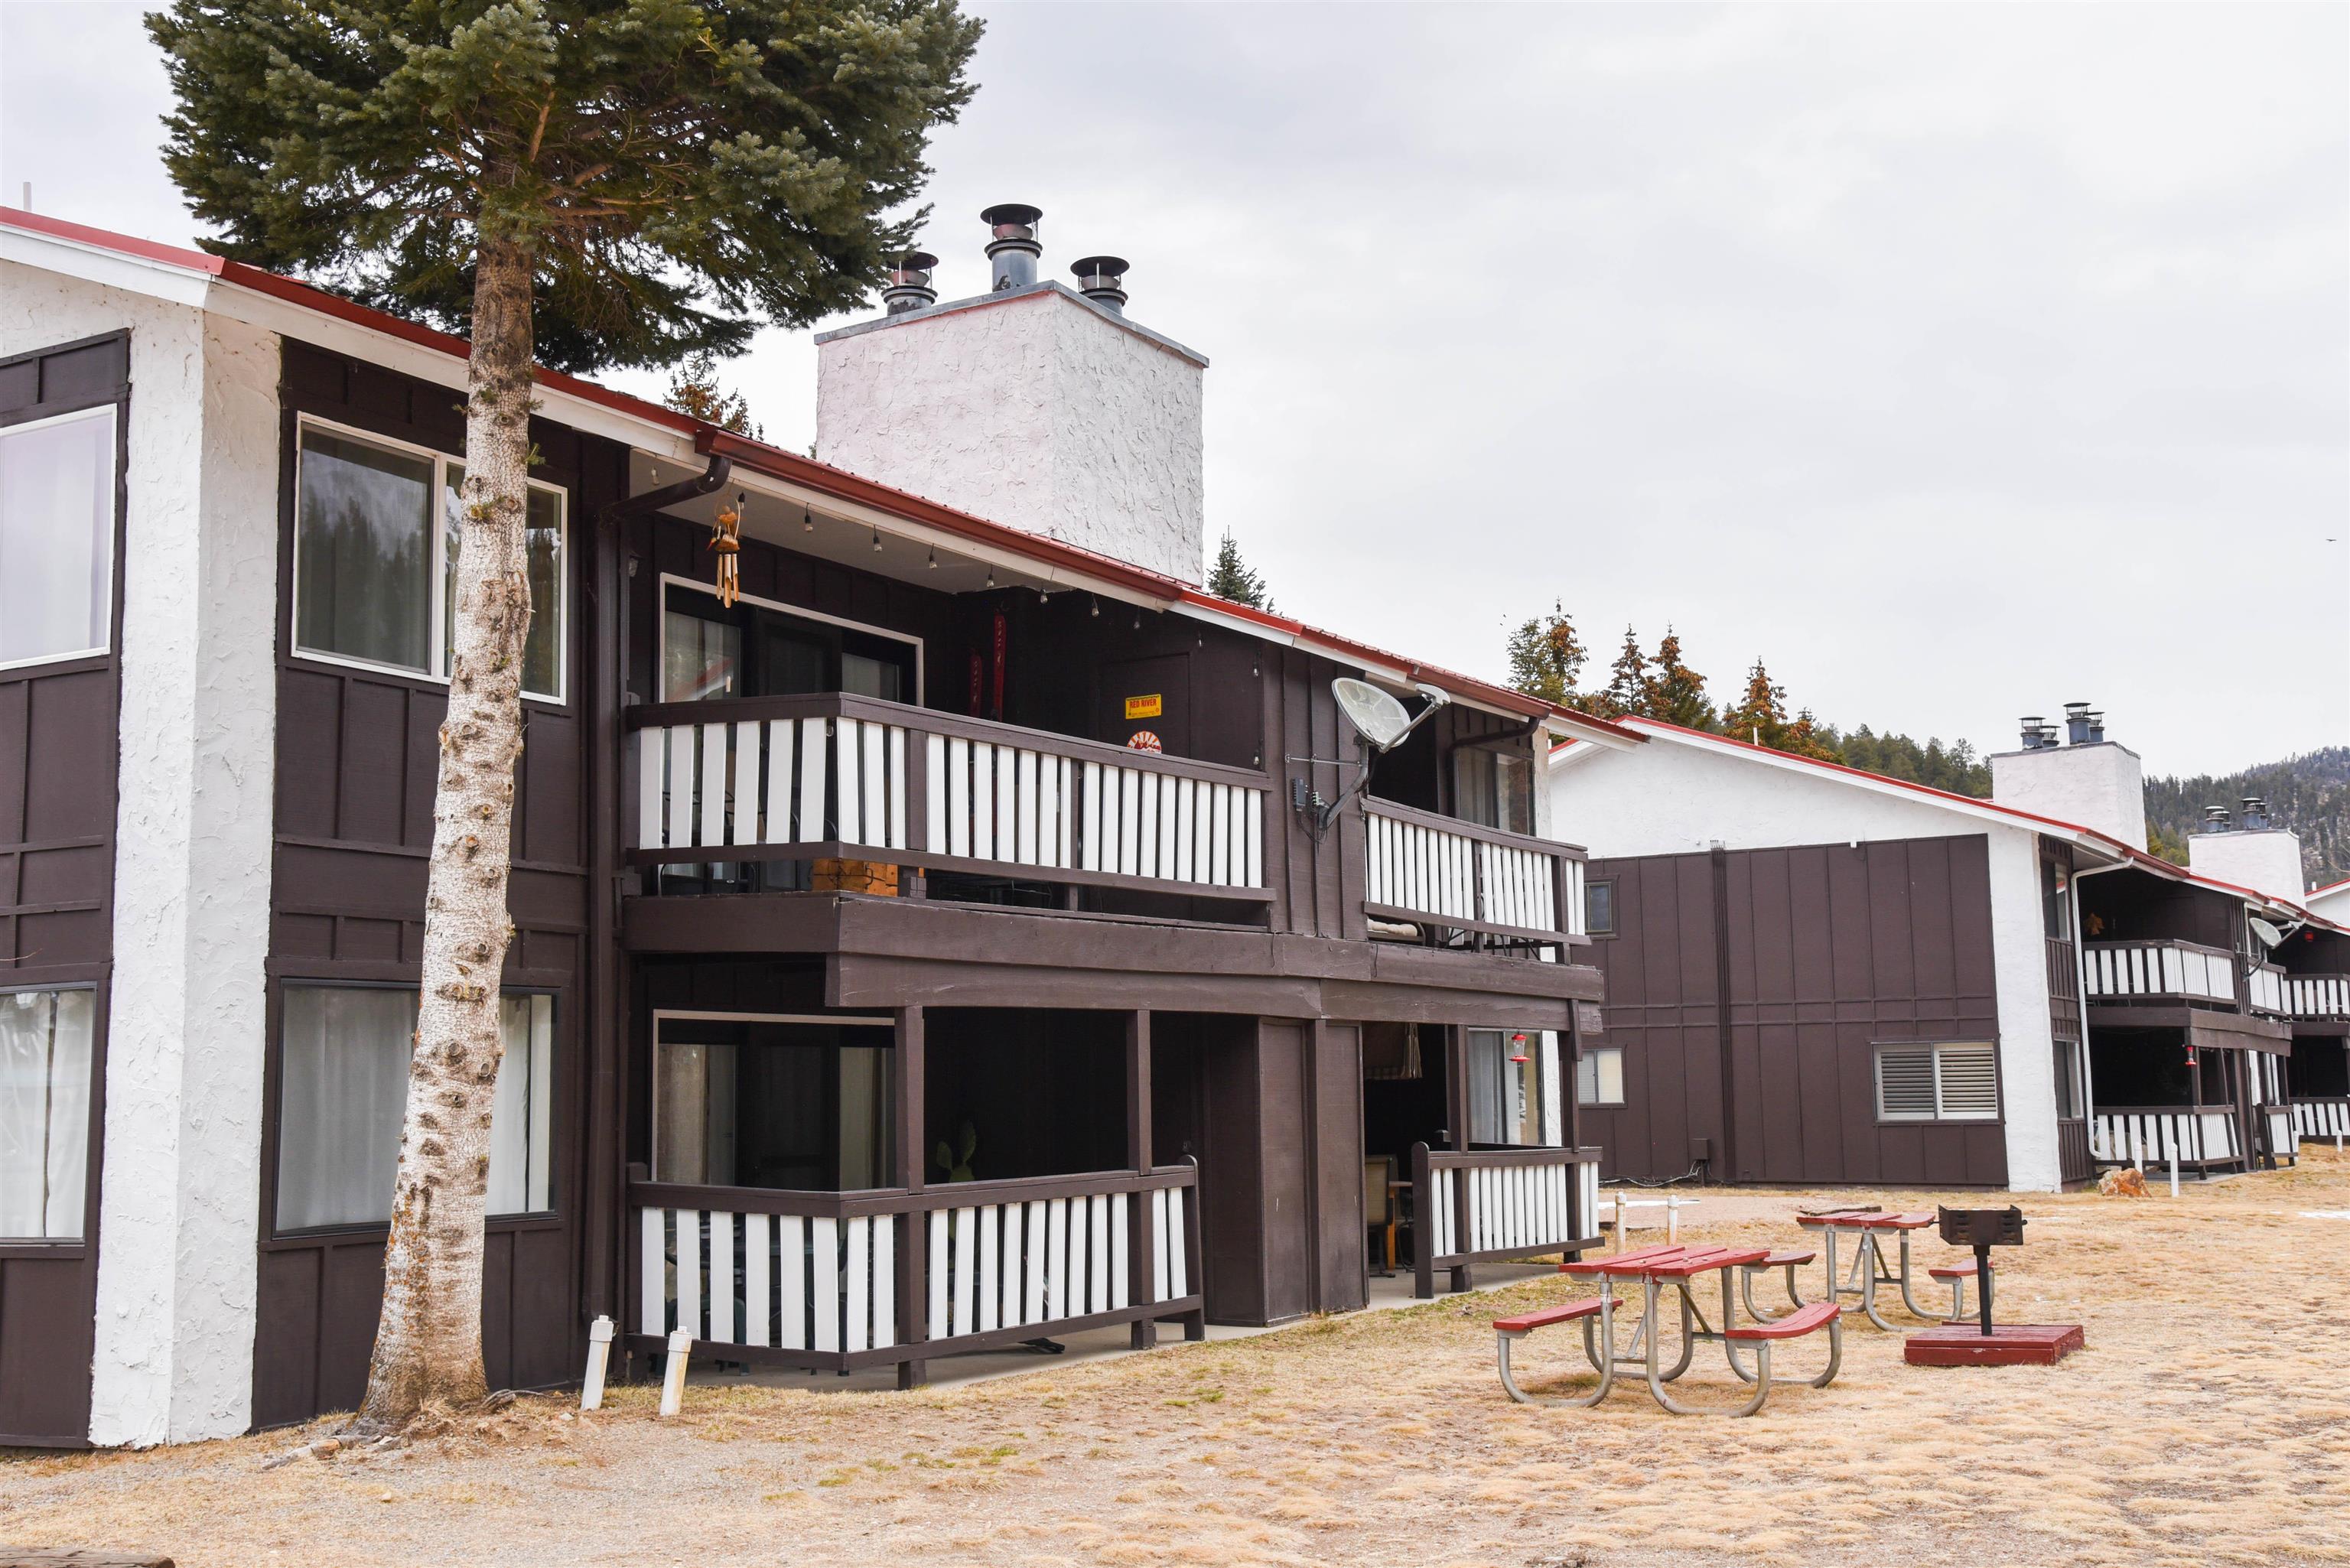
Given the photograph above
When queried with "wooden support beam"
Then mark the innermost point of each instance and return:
(909, 1085)
(1138, 1155)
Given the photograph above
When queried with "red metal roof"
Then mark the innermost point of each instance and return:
(778, 463)
(2130, 853)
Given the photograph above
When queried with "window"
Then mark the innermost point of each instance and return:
(1937, 1083)
(2072, 1101)
(1494, 789)
(57, 537)
(2056, 900)
(344, 1090)
(1504, 1086)
(794, 1104)
(1600, 1076)
(45, 1038)
(756, 649)
(1599, 909)
(378, 527)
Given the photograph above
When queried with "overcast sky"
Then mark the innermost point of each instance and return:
(1959, 361)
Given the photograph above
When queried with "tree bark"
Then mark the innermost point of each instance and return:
(427, 1345)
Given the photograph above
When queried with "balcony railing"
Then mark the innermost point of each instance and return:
(2264, 989)
(1483, 1204)
(1422, 867)
(2318, 1118)
(2148, 1136)
(2119, 971)
(2317, 995)
(843, 1280)
(838, 776)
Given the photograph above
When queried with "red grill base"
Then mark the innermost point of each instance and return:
(2007, 1344)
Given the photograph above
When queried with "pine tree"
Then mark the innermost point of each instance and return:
(1673, 691)
(582, 182)
(1627, 681)
(1760, 717)
(1546, 656)
(1231, 577)
(693, 389)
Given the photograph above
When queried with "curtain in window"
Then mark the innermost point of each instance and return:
(46, 1039)
(363, 553)
(343, 1090)
(57, 537)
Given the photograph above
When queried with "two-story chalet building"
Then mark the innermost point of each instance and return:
(1817, 975)
(975, 931)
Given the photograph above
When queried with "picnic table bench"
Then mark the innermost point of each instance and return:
(1656, 1267)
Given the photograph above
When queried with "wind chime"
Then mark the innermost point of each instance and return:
(726, 541)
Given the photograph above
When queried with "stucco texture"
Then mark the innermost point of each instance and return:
(1038, 412)
(186, 1017)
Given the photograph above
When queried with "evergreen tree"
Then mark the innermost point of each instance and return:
(1761, 716)
(583, 182)
(1232, 578)
(1673, 691)
(1546, 656)
(693, 389)
(1627, 681)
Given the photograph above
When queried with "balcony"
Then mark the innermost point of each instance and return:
(2131, 972)
(869, 791)
(2317, 996)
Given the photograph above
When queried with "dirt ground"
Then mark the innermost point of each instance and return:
(2207, 1422)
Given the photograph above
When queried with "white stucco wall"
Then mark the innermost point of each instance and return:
(1668, 798)
(2333, 904)
(2268, 861)
(1039, 411)
(2100, 785)
(180, 1179)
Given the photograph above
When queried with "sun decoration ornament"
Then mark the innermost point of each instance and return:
(726, 540)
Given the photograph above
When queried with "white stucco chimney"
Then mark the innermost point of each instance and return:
(1031, 405)
(2250, 853)
(2092, 783)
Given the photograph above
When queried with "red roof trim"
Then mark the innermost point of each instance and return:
(777, 463)
(2139, 857)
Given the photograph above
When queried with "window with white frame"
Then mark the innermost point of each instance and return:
(1600, 1076)
(378, 525)
(57, 537)
(45, 1042)
(343, 1091)
(1953, 1083)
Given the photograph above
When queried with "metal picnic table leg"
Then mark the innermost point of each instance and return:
(1729, 1345)
(1909, 1298)
(1607, 1365)
(1869, 1261)
(1690, 1322)
(1657, 1382)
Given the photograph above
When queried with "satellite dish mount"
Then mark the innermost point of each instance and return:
(1380, 724)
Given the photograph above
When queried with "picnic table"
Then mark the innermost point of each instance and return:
(1869, 1269)
(1656, 1268)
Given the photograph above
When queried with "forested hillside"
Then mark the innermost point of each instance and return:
(2309, 794)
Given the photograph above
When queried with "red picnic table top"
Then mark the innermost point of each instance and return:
(1867, 1222)
(1675, 1263)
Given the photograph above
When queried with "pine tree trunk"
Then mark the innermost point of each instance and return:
(427, 1345)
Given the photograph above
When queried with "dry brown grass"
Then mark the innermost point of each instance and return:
(2207, 1422)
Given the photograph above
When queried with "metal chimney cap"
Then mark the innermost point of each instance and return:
(1102, 279)
(1012, 219)
(909, 287)
(913, 262)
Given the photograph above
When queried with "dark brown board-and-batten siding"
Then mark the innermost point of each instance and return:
(1823, 953)
(357, 762)
(57, 792)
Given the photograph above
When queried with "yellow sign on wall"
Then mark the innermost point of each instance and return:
(1144, 707)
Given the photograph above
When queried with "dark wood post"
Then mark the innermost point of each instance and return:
(1423, 1228)
(2195, 1090)
(604, 1237)
(907, 1129)
(1456, 1063)
(912, 883)
(1195, 1323)
(1138, 1239)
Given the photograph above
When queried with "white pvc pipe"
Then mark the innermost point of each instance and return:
(599, 1354)
(2174, 1173)
(681, 1343)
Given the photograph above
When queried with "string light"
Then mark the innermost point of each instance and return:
(807, 521)
(934, 558)
(1095, 611)
(990, 576)
(876, 541)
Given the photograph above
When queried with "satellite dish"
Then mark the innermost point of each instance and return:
(2270, 936)
(1376, 717)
